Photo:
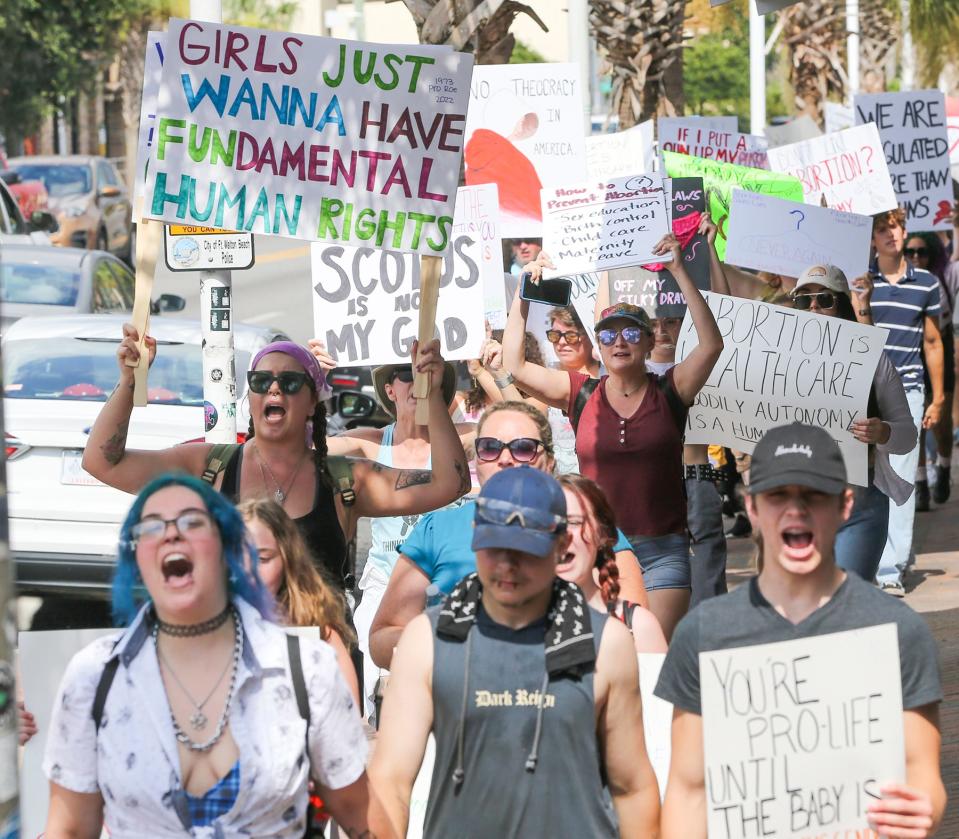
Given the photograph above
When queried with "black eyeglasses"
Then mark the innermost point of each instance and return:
(188, 523)
(403, 375)
(632, 335)
(912, 253)
(571, 337)
(260, 381)
(522, 449)
(824, 299)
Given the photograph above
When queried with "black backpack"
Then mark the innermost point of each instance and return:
(676, 407)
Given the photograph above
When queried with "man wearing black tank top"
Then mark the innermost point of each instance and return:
(533, 699)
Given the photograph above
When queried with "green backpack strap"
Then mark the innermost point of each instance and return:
(581, 399)
(217, 460)
(341, 471)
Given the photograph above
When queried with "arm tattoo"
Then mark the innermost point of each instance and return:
(413, 477)
(376, 466)
(114, 448)
(466, 482)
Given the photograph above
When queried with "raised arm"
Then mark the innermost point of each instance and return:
(717, 274)
(684, 809)
(106, 456)
(403, 600)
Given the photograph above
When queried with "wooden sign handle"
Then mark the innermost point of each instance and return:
(149, 242)
(430, 269)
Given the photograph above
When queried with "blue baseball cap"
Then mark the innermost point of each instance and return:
(522, 509)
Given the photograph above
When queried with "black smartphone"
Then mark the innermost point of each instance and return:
(551, 292)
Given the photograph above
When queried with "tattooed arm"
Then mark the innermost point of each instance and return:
(106, 456)
(357, 810)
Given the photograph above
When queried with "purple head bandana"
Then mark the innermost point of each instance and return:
(305, 359)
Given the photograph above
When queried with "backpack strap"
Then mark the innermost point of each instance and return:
(299, 681)
(216, 461)
(676, 407)
(629, 609)
(581, 399)
(341, 471)
(103, 688)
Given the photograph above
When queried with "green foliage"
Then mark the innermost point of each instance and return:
(935, 31)
(259, 13)
(716, 75)
(523, 54)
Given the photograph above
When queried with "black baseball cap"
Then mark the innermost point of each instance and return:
(797, 454)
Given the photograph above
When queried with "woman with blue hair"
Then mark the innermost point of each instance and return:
(201, 717)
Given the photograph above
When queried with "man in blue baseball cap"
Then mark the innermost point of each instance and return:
(525, 689)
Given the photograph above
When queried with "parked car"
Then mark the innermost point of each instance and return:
(14, 228)
(30, 195)
(88, 197)
(360, 380)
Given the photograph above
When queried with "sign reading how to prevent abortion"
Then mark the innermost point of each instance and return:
(606, 224)
(779, 366)
(314, 138)
(799, 736)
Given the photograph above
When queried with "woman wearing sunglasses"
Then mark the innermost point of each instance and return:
(629, 437)
(285, 453)
(196, 720)
(888, 427)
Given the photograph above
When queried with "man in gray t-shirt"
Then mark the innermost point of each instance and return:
(798, 500)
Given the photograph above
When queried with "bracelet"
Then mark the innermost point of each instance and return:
(865, 312)
(505, 382)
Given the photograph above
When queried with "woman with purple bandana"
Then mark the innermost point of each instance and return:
(285, 453)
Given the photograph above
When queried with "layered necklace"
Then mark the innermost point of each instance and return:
(198, 719)
(279, 493)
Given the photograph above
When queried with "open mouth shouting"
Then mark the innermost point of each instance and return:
(274, 413)
(798, 543)
(177, 569)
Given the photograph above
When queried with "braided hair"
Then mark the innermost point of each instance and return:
(318, 421)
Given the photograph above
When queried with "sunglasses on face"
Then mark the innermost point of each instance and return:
(522, 449)
(188, 523)
(631, 334)
(912, 253)
(405, 376)
(571, 337)
(824, 300)
(260, 381)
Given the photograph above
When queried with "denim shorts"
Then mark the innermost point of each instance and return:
(664, 560)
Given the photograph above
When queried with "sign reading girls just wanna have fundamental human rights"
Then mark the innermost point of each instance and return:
(315, 138)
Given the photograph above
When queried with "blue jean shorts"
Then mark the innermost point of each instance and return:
(664, 560)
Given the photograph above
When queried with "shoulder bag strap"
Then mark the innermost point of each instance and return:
(582, 398)
(341, 471)
(217, 460)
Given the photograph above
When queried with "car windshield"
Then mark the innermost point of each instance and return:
(29, 282)
(60, 179)
(86, 369)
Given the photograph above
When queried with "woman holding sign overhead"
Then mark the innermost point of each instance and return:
(629, 427)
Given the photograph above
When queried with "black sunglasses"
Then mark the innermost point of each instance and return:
(403, 374)
(260, 381)
(912, 253)
(522, 449)
(572, 336)
(824, 299)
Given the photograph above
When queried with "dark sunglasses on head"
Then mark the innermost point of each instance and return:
(571, 337)
(912, 253)
(824, 299)
(403, 374)
(632, 335)
(522, 449)
(504, 513)
(260, 381)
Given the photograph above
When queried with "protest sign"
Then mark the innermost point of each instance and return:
(477, 216)
(313, 138)
(769, 234)
(778, 366)
(628, 152)
(583, 297)
(524, 131)
(765, 7)
(912, 125)
(720, 179)
(152, 71)
(952, 132)
(837, 117)
(795, 131)
(670, 125)
(698, 140)
(606, 224)
(657, 717)
(798, 736)
(848, 169)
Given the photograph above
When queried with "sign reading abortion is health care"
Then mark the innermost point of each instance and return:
(779, 366)
(798, 736)
(315, 138)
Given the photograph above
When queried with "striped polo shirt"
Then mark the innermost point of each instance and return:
(900, 308)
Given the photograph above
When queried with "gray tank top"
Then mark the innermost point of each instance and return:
(565, 796)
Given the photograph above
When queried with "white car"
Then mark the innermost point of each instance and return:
(58, 372)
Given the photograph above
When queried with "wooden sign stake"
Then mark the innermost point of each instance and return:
(149, 239)
(430, 270)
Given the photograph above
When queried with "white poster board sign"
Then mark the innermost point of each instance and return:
(626, 152)
(912, 125)
(43, 659)
(477, 217)
(669, 125)
(796, 130)
(657, 717)
(847, 168)
(524, 131)
(778, 366)
(799, 735)
(152, 71)
(838, 117)
(766, 233)
(697, 140)
(608, 224)
(313, 138)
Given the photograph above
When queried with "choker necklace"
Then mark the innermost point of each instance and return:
(279, 494)
(193, 629)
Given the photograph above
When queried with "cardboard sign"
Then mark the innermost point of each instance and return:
(697, 140)
(912, 126)
(769, 234)
(601, 225)
(152, 72)
(313, 138)
(778, 366)
(626, 152)
(848, 169)
(721, 178)
(795, 131)
(477, 216)
(798, 736)
(524, 132)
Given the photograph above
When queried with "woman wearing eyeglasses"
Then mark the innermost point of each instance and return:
(888, 427)
(629, 434)
(200, 718)
(285, 453)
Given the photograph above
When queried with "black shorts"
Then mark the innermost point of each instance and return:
(948, 365)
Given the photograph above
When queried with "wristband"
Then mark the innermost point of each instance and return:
(504, 382)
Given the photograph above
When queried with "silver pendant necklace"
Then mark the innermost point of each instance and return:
(279, 494)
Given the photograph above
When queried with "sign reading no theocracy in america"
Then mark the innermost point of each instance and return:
(912, 126)
(779, 366)
(799, 735)
(605, 224)
(315, 138)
